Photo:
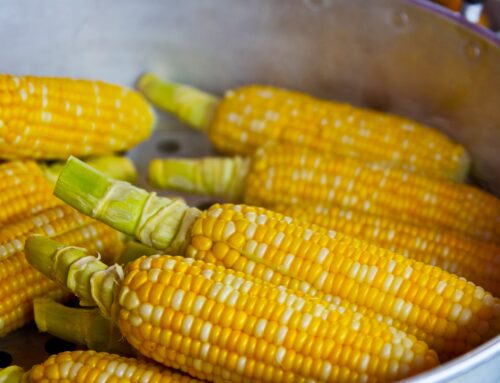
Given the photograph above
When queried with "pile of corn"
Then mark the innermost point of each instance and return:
(346, 246)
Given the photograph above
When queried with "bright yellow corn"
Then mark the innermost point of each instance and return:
(248, 117)
(52, 118)
(92, 367)
(453, 314)
(220, 325)
(278, 174)
(477, 261)
(20, 283)
(23, 190)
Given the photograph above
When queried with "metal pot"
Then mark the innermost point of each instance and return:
(402, 56)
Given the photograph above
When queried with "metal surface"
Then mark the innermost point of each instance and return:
(391, 55)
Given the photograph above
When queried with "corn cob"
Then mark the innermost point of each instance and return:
(26, 187)
(220, 325)
(278, 174)
(451, 314)
(474, 260)
(251, 116)
(92, 367)
(20, 283)
(52, 118)
(82, 326)
(23, 190)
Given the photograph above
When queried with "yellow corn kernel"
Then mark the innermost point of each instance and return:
(446, 249)
(52, 118)
(353, 270)
(23, 190)
(94, 367)
(355, 185)
(249, 330)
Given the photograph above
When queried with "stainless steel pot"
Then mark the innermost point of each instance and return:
(406, 57)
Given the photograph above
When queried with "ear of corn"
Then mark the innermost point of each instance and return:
(52, 118)
(81, 326)
(249, 117)
(20, 283)
(23, 190)
(92, 367)
(477, 261)
(278, 174)
(295, 175)
(452, 314)
(221, 325)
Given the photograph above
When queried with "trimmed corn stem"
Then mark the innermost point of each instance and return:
(119, 167)
(86, 327)
(189, 104)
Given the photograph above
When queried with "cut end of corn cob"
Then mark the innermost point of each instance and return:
(190, 105)
(215, 176)
(86, 327)
(125, 207)
(57, 261)
(52, 118)
(119, 167)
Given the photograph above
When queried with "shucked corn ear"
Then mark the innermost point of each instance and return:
(52, 118)
(23, 190)
(451, 314)
(279, 174)
(26, 186)
(20, 283)
(219, 325)
(92, 367)
(477, 261)
(248, 117)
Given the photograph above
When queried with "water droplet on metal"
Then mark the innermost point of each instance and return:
(400, 19)
(473, 51)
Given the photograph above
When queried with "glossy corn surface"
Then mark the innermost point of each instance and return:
(20, 283)
(451, 314)
(52, 118)
(23, 190)
(220, 325)
(459, 254)
(249, 117)
(100, 367)
(293, 175)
